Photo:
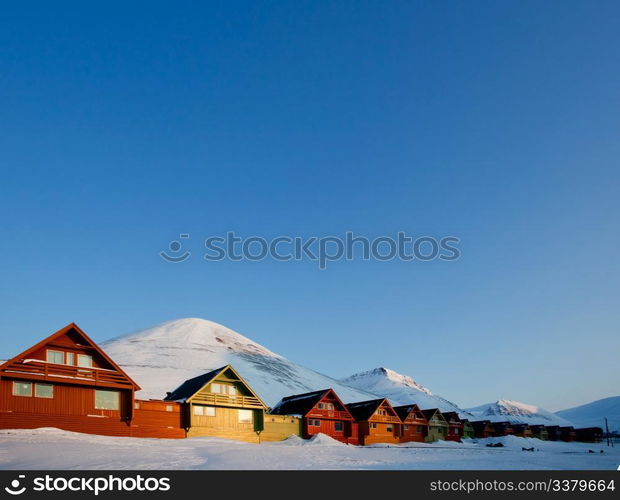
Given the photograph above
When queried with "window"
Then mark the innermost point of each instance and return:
(207, 411)
(216, 388)
(245, 416)
(85, 360)
(70, 358)
(389, 428)
(199, 410)
(338, 426)
(321, 406)
(420, 429)
(330, 406)
(169, 408)
(43, 391)
(56, 357)
(22, 389)
(373, 425)
(106, 400)
(406, 427)
(232, 390)
(314, 423)
(136, 406)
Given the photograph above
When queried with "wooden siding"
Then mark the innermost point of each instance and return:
(225, 424)
(280, 427)
(158, 419)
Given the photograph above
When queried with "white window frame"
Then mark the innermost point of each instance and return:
(50, 351)
(70, 356)
(118, 399)
(37, 385)
(243, 420)
(80, 357)
(169, 408)
(216, 388)
(16, 383)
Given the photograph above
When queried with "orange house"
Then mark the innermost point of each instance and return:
(377, 421)
(415, 425)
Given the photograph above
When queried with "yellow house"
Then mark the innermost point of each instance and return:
(222, 404)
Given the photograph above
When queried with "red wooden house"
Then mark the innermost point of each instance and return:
(377, 421)
(483, 428)
(67, 381)
(321, 412)
(455, 426)
(415, 425)
(503, 429)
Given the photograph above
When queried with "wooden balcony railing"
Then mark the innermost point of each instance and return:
(335, 414)
(78, 373)
(226, 400)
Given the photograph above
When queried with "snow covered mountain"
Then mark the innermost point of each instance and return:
(593, 414)
(518, 413)
(400, 389)
(160, 358)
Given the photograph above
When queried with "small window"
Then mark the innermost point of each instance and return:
(43, 391)
(70, 358)
(216, 388)
(321, 406)
(85, 360)
(373, 425)
(209, 411)
(232, 390)
(199, 410)
(338, 426)
(245, 416)
(330, 406)
(22, 389)
(389, 428)
(169, 408)
(56, 357)
(317, 423)
(136, 406)
(406, 427)
(420, 429)
(106, 400)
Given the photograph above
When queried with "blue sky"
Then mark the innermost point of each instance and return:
(124, 125)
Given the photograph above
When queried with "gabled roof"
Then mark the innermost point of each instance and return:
(451, 415)
(301, 404)
(188, 389)
(404, 410)
(365, 409)
(430, 412)
(481, 424)
(51, 338)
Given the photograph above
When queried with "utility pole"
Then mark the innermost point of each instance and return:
(609, 440)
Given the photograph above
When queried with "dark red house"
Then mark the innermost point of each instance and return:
(321, 412)
(483, 428)
(455, 426)
(503, 429)
(67, 381)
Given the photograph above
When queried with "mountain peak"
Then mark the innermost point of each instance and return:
(162, 357)
(399, 389)
(517, 413)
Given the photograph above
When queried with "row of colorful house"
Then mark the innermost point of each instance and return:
(67, 381)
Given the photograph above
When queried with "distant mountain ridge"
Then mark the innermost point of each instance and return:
(593, 414)
(517, 413)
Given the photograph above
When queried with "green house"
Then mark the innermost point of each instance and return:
(468, 429)
(437, 425)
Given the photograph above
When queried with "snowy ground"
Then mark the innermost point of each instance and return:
(55, 449)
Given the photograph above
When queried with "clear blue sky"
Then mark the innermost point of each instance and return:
(125, 124)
